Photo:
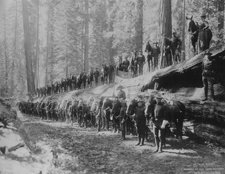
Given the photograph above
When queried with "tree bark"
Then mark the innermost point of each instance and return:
(86, 36)
(50, 37)
(139, 25)
(166, 24)
(27, 48)
(6, 56)
(110, 29)
(37, 46)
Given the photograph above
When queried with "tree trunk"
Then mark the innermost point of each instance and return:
(48, 74)
(86, 36)
(27, 48)
(166, 24)
(6, 56)
(37, 46)
(15, 53)
(110, 29)
(183, 32)
(139, 26)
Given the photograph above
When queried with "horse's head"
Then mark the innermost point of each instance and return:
(192, 26)
(131, 105)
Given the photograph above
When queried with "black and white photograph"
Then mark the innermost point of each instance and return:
(112, 86)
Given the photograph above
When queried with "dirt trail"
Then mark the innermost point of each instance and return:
(81, 150)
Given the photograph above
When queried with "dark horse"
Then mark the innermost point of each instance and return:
(204, 35)
(175, 111)
(131, 110)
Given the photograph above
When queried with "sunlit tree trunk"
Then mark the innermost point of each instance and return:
(37, 46)
(28, 48)
(166, 24)
(5, 55)
(15, 51)
(139, 25)
(86, 36)
(50, 37)
(110, 29)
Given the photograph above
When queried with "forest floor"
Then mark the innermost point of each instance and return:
(84, 150)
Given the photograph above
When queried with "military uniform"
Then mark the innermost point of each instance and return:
(140, 62)
(208, 76)
(141, 122)
(148, 49)
(158, 124)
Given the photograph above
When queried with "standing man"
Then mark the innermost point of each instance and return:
(176, 48)
(148, 49)
(140, 62)
(155, 54)
(205, 34)
(158, 127)
(208, 76)
(96, 76)
(125, 64)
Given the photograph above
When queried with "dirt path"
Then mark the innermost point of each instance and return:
(81, 150)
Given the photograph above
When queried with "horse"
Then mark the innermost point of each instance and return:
(107, 107)
(116, 107)
(131, 123)
(193, 29)
(83, 114)
(175, 111)
(199, 32)
(132, 107)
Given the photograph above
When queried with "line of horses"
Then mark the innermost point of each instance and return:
(105, 113)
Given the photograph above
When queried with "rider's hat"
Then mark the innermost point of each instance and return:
(120, 87)
(158, 96)
(203, 14)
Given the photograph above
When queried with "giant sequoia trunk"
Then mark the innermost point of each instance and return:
(27, 48)
(139, 26)
(86, 36)
(166, 19)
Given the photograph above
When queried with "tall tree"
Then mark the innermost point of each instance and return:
(86, 36)
(5, 54)
(139, 25)
(166, 24)
(27, 48)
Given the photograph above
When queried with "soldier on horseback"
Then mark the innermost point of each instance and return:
(205, 34)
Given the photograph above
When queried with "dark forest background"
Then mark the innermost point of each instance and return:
(42, 41)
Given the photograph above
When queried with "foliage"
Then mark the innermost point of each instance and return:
(59, 35)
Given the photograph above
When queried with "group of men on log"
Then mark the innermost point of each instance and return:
(128, 116)
(106, 75)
